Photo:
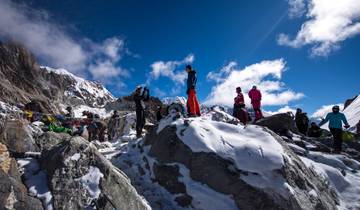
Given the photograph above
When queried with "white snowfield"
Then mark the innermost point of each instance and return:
(95, 89)
(352, 112)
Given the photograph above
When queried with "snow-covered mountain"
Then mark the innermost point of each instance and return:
(352, 112)
(90, 93)
(22, 80)
(176, 99)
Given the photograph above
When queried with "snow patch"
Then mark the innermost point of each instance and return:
(36, 180)
(91, 181)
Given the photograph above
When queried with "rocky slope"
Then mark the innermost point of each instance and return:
(22, 80)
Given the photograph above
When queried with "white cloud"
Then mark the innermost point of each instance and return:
(266, 75)
(297, 8)
(329, 22)
(284, 109)
(321, 113)
(170, 69)
(55, 47)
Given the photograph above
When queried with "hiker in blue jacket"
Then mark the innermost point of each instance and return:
(336, 120)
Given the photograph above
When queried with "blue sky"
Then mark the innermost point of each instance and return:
(212, 33)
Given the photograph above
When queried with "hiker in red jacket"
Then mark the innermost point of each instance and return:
(255, 96)
(239, 107)
(192, 102)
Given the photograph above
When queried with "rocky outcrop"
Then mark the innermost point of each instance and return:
(79, 176)
(13, 194)
(18, 137)
(223, 176)
(49, 139)
(22, 81)
(279, 123)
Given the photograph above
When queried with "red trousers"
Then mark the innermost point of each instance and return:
(193, 104)
(256, 106)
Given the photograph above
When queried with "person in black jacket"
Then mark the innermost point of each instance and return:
(139, 98)
(193, 107)
(302, 121)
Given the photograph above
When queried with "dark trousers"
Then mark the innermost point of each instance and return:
(337, 136)
(140, 121)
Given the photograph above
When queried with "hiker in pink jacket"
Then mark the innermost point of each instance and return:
(255, 96)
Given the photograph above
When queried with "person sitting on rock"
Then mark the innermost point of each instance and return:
(239, 107)
(314, 130)
(336, 120)
(302, 121)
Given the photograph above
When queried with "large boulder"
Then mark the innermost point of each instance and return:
(252, 165)
(79, 176)
(279, 123)
(18, 136)
(13, 194)
(49, 139)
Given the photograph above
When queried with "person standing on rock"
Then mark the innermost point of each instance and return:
(193, 107)
(302, 121)
(255, 96)
(239, 107)
(139, 97)
(336, 120)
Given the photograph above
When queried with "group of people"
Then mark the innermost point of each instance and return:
(240, 111)
(336, 119)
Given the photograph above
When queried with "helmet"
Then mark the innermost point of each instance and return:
(336, 108)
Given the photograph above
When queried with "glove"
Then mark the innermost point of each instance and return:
(347, 126)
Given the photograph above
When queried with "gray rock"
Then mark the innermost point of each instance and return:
(13, 194)
(70, 160)
(222, 175)
(279, 123)
(18, 137)
(49, 139)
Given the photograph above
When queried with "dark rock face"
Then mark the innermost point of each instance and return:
(279, 123)
(69, 161)
(223, 176)
(18, 137)
(13, 194)
(22, 81)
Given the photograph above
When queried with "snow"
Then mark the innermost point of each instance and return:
(95, 89)
(91, 181)
(251, 148)
(352, 112)
(348, 186)
(177, 99)
(36, 181)
(78, 110)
